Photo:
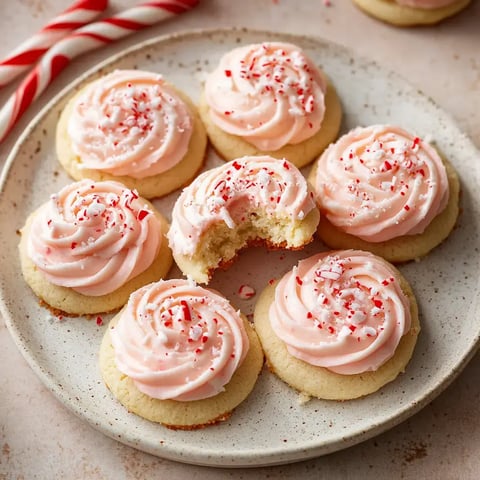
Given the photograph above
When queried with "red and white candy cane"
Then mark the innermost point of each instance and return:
(28, 53)
(84, 39)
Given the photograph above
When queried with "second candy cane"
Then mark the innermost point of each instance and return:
(28, 53)
(85, 39)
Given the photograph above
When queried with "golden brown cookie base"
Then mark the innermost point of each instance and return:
(401, 16)
(320, 382)
(406, 247)
(183, 415)
(149, 187)
(64, 299)
(230, 146)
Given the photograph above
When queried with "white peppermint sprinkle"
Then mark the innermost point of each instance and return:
(95, 209)
(358, 317)
(195, 332)
(370, 331)
(344, 332)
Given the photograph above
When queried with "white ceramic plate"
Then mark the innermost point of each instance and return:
(271, 427)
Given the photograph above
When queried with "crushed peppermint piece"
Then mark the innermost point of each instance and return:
(246, 291)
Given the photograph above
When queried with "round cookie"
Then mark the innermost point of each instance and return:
(385, 212)
(174, 413)
(283, 106)
(339, 349)
(118, 275)
(251, 200)
(405, 14)
(132, 127)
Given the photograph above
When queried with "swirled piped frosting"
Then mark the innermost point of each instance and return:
(381, 182)
(93, 237)
(130, 123)
(227, 193)
(426, 4)
(270, 94)
(179, 341)
(342, 310)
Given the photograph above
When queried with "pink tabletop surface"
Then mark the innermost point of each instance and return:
(40, 438)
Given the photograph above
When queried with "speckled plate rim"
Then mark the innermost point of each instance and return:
(203, 456)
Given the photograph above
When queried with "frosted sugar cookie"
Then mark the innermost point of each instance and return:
(270, 99)
(91, 245)
(180, 355)
(133, 127)
(339, 325)
(247, 201)
(385, 190)
(406, 13)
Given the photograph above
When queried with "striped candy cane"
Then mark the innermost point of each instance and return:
(28, 53)
(83, 40)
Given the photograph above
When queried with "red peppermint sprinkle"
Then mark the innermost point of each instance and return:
(142, 214)
(299, 280)
(186, 311)
(309, 315)
(73, 245)
(205, 339)
(228, 73)
(236, 165)
(378, 303)
(99, 321)
(387, 165)
(406, 207)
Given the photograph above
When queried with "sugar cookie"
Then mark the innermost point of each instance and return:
(180, 355)
(338, 326)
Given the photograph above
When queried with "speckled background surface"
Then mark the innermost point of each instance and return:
(39, 438)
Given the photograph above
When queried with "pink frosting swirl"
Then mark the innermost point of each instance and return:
(130, 123)
(93, 237)
(270, 94)
(229, 192)
(342, 310)
(426, 4)
(381, 182)
(179, 341)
